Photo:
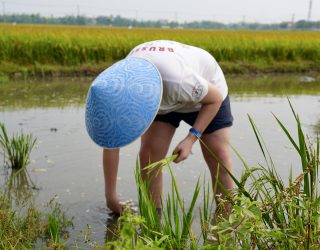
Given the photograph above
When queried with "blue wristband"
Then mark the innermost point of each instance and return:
(195, 132)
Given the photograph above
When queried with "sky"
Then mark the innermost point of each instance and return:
(225, 11)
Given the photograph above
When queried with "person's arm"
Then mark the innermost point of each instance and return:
(110, 170)
(210, 105)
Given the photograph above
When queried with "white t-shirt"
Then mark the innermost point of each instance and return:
(186, 72)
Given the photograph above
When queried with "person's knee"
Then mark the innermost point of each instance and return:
(145, 152)
(223, 154)
(218, 156)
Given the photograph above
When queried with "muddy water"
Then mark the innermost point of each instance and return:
(66, 164)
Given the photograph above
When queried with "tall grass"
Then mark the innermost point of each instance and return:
(57, 225)
(41, 45)
(30, 228)
(267, 214)
(17, 149)
(175, 227)
(18, 231)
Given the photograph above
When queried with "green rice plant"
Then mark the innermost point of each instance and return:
(32, 49)
(26, 227)
(159, 165)
(206, 212)
(147, 208)
(175, 229)
(178, 219)
(58, 224)
(17, 149)
(17, 230)
(266, 213)
(129, 237)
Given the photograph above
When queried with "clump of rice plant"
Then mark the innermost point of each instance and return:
(17, 149)
(172, 226)
(266, 213)
(57, 225)
(29, 228)
(18, 231)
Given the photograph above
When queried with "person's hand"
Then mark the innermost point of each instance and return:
(115, 205)
(183, 149)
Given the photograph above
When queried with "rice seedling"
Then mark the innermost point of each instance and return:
(129, 237)
(147, 208)
(178, 219)
(26, 227)
(58, 223)
(269, 214)
(206, 212)
(18, 231)
(159, 165)
(173, 225)
(17, 149)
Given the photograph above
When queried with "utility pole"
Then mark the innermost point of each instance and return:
(292, 21)
(176, 16)
(243, 20)
(292, 18)
(309, 12)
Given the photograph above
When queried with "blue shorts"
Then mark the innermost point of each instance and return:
(223, 118)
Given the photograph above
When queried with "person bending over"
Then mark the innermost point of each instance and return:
(194, 91)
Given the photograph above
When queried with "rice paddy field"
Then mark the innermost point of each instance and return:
(43, 50)
(56, 199)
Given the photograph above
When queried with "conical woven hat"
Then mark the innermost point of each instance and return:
(122, 102)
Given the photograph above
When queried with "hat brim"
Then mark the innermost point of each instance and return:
(122, 102)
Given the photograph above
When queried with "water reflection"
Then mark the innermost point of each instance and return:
(56, 93)
(19, 187)
(72, 91)
(112, 228)
(272, 85)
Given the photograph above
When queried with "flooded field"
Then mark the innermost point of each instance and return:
(66, 164)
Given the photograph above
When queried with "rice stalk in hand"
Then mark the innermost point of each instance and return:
(17, 149)
(161, 164)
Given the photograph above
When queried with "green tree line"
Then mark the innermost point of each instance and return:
(119, 21)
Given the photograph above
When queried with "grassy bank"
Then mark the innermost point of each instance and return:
(43, 50)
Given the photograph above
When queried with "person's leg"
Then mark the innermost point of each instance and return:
(110, 169)
(155, 143)
(218, 143)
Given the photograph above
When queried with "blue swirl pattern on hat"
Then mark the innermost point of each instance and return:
(122, 102)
